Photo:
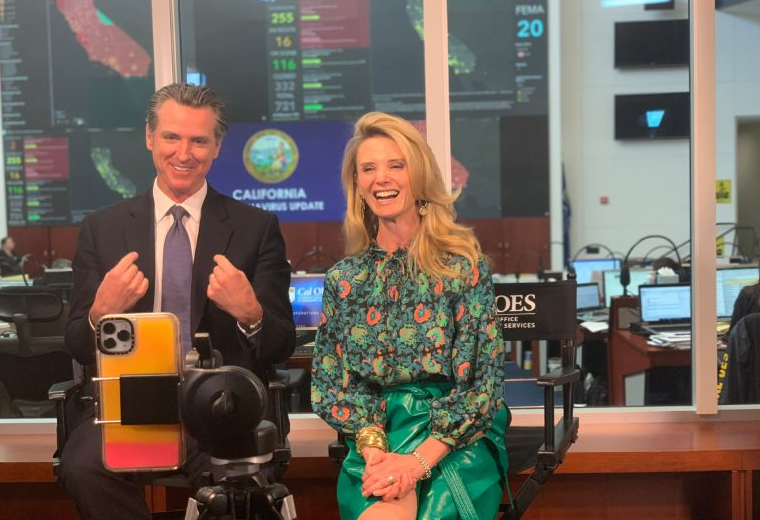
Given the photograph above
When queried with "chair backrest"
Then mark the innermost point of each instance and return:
(36, 303)
(739, 374)
(537, 311)
(32, 351)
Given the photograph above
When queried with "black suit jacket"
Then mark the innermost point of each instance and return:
(249, 237)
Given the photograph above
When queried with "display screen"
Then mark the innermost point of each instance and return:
(669, 302)
(585, 267)
(729, 282)
(653, 116)
(587, 296)
(296, 75)
(613, 287)
(652, 43)
(77, 75)
(305, 294)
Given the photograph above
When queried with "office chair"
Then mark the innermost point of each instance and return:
(32, 351)
(739, 373)
(70, 397)
(541, 447)
(318, 259)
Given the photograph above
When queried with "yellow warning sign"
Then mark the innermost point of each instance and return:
(723, 191)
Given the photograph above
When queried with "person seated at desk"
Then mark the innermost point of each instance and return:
(10, 262)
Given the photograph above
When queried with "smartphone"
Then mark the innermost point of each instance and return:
(138, 359)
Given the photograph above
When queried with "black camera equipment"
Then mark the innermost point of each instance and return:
(223, 408)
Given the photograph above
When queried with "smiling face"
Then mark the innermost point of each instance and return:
(183, 147)
(382, 176)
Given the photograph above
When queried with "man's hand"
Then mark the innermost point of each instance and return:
(120, 289)
(230, 290)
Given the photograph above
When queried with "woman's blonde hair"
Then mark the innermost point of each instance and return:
(439, 236)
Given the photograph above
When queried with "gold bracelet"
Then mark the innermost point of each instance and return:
(428, 473)
(371, 441)
(371, 437)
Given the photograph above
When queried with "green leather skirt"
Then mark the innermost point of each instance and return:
(467, 484)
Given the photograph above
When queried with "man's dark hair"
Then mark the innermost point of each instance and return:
(192, 96)
(3, 241)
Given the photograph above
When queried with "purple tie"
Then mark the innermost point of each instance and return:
(177, 275)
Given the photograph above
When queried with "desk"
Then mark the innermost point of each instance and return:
(625, 467)
(630, 354)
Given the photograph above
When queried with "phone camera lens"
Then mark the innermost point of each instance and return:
(109, 328)
(109, 343)
(123, 335)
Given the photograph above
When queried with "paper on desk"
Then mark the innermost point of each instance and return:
(670, 340)
(595, 326)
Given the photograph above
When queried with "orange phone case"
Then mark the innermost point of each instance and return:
(137, 344)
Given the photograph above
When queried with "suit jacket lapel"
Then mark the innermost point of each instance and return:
(140, 237)
(213, 237)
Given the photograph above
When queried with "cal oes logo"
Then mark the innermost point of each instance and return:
(270, 156)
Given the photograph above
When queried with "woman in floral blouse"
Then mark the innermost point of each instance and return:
(409, 360)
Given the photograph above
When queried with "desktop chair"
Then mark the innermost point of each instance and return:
(541, 447)
(32, 351)
(318, 260)
(739, 374)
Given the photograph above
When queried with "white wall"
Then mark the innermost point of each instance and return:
(737, 94)
(647, 182)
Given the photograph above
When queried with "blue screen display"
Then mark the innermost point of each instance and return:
(305, 295)
(728, 283)
(612, 287)
(585, 267)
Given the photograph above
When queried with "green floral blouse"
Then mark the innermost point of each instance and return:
(383, 326)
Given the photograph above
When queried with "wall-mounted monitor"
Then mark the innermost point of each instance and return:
(654, 43)
(653, 116)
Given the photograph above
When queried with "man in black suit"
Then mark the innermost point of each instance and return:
(239, 289)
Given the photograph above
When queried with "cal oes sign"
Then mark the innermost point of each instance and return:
(528, 311)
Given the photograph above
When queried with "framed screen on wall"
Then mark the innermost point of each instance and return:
(653, 116)
(656, 43)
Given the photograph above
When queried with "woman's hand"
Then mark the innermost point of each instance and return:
(390, 475)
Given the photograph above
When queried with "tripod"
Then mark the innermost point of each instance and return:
(223, 408)
(244, 493)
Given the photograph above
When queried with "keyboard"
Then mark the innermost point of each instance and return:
(667, 327)
(306, 350)
(595, 315)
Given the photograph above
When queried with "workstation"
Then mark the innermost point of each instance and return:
(616, 190)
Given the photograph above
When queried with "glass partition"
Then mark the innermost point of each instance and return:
(75, 80)
(737, 29)
(622, 104)
(296, 75)
(302, 71)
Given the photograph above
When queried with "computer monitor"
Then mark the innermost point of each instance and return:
(305, 295)
(587, 296)
(728, 284)
(585, 267)
(665, 302)
(611, 283)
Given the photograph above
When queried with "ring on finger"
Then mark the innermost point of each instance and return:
(390, 480)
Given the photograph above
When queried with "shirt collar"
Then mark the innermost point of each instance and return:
(193, 204)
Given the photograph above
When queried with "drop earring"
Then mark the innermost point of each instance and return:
(423, 209)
